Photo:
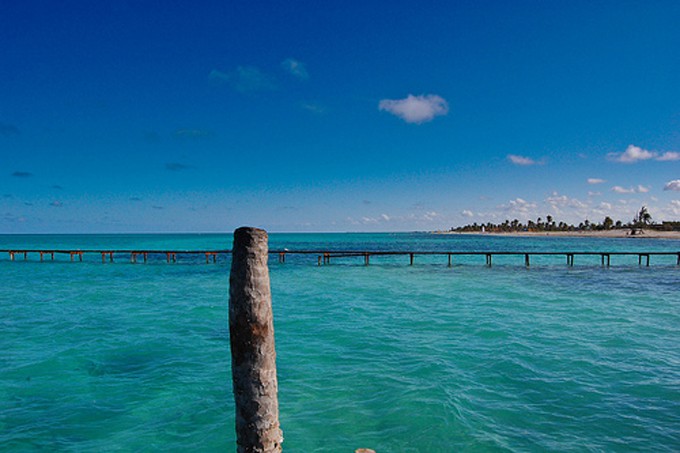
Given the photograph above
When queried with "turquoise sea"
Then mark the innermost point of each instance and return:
(426, 358)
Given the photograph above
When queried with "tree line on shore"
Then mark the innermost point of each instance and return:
(643, 219)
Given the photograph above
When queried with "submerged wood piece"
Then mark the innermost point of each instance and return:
(253, 353)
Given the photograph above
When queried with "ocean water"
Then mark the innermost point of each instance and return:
(426, 358)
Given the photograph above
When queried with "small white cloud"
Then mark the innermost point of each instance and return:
(244, 79)
(669, 156)
(675, 207)
(558, 203)
(518, 206)
(673, 185)
(295, 68)
(430, 215)
(632, 154)
(385, 217)
(521, 160)
(594, 194)
(595, 181)
(218, 76)
(619, 189)
(638, 189)
(467, 213)
(313, 107)
(416, 109)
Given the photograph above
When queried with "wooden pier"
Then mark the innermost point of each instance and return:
(324, 256)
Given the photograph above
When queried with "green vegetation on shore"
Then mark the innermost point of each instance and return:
(643, 219)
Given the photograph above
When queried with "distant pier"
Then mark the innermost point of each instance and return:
(324, 256)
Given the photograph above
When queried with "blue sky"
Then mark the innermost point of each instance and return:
(158, 116)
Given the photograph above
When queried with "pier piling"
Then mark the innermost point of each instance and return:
(253, 354)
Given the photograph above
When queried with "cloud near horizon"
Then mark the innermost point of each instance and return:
(638, 189)
(673, 185)
(668, 156)
(295, 68)
(596, 181)
(634, 154)
(416, 109)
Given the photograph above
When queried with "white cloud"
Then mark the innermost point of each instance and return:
(669, 156)
(632, 154)
(429, 218)
(562, 204)
(314, 107)
(416, 109)
(562, 201)
(430, 215)
(467, 213)
(675, 207)
(673, 185)
(638, 189)
(518, 207)
(295, 68)
(595, 181)
(244, 79)
(521, 160)
(619, 189)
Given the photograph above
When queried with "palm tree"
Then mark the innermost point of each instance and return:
(644, 216)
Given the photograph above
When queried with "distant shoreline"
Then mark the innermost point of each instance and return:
(619, 233)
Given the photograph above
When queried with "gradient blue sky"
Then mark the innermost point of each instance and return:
(157, 116)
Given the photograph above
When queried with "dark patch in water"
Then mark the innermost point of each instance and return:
(121, 364)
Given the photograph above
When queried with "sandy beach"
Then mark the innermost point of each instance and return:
(622, 233)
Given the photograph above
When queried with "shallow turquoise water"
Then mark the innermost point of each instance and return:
(123, 357)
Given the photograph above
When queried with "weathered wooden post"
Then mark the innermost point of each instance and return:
(253, 355)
